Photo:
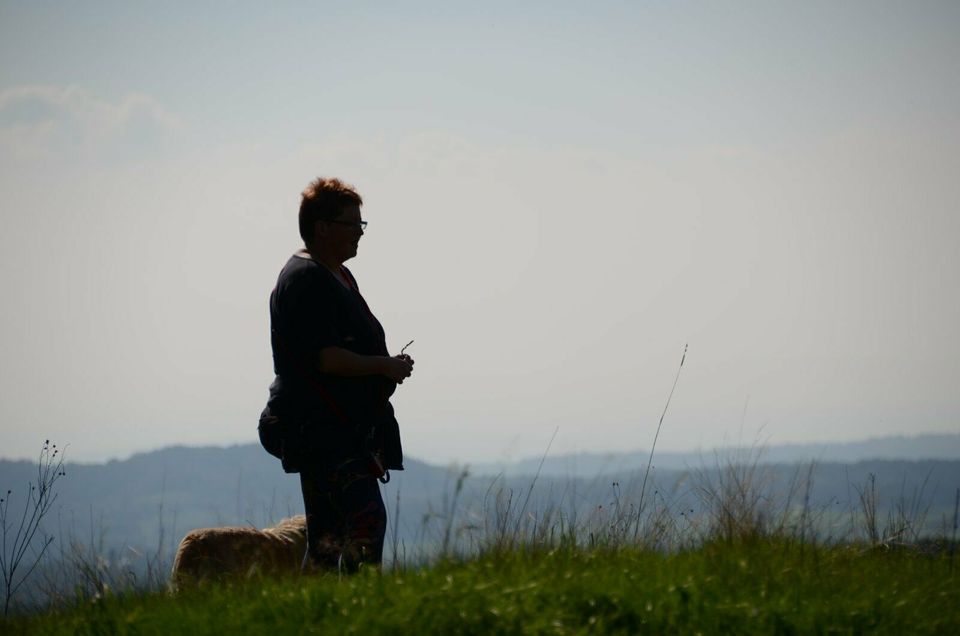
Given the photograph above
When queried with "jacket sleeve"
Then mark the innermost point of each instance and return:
(307, 318)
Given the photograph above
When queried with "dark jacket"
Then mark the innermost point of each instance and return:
(327, 419)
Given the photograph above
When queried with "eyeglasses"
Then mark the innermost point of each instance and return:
(360, 224)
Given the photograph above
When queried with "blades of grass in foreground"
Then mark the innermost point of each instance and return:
(643, 486)
(758, 588)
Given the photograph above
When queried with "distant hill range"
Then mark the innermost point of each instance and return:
(150, 500)
(920, 447)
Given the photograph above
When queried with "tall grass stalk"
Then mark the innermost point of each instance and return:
(396, 532)
(953, 538)
(646, 474)
(526, 501)
(450, 512)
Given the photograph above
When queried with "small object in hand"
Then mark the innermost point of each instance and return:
(405, 347)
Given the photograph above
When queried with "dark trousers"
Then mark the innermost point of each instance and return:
(346, 518)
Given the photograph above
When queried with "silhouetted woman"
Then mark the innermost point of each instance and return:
(334, 377)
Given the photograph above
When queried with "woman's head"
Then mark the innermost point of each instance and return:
(324, 200)
(330, 218)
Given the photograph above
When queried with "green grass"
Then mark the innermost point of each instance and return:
(769, 586)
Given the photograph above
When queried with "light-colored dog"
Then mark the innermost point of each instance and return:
(218, 553)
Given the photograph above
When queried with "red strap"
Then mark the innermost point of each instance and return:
(349, 278)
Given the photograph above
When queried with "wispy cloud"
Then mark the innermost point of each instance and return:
(39, 120)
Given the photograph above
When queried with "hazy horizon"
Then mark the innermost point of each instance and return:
(755, 448)
(559, 198)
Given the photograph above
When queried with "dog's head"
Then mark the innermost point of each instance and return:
(292, 529)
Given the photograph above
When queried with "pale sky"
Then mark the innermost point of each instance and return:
(559, 199)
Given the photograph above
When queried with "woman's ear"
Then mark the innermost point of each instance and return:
(320, 230)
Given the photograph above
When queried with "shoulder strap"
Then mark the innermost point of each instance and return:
(374, 323)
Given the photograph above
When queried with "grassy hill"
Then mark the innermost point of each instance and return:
(763, 586)
(117, 525)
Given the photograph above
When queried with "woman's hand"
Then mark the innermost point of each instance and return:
(398, 368)
(337, 361)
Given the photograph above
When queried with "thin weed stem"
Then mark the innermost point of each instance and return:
(646, 474)
(533, 483)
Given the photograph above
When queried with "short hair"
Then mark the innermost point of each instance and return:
(324, 200)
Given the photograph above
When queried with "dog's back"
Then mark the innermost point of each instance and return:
(219, 553)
